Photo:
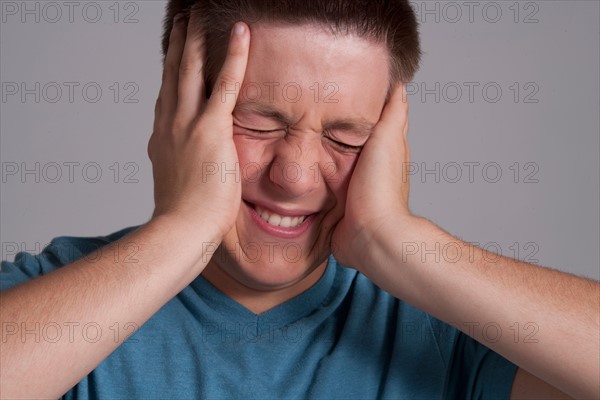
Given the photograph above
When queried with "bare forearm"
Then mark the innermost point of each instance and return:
(96, 303)
(545, 321)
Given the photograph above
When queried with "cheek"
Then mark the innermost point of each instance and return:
(337, 173)
(253, 156)
(252, 151)
(246, 149)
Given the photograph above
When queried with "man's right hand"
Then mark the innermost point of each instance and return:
(193, 155)
(111, 286)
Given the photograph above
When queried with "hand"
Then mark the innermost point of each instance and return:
(192, 145)
(378, 189)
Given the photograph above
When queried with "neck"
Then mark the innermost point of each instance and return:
(259, 300)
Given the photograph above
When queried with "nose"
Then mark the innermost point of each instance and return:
(295, 165)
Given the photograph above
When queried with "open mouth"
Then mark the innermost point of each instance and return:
(275, 219)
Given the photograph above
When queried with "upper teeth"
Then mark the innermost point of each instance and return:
(279, 220)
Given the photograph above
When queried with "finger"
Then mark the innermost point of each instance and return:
(396, 110)
(227, 86)
(168, 90)
(191, 72)
(391, 129)
(392, 134)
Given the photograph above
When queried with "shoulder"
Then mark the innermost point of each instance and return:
(66, 249)
(366, 298)
(60, 251)
(437, 352)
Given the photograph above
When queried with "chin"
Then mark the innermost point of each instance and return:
(268, 273)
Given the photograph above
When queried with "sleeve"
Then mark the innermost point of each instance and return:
(26, 267)
(474, 371)
(61, 251)
(477, 372)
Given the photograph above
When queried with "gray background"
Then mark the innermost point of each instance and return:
(543, 56)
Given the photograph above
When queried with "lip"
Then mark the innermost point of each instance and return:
(278, 231)
(281, 211)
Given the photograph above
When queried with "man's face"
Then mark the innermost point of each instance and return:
(315, 97)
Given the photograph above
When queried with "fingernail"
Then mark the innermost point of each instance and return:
(238, 29)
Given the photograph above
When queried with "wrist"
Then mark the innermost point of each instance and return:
(196, 228)
(195, 239)
(377, 241)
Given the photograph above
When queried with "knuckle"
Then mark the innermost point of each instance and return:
(188, 67)
(176, 30)
(235, 52)
(178, 126)
(169, 70)
(151, 147)
(228, 81)
(172, 68)
(173, 39)
(201, 125)
(207, 126)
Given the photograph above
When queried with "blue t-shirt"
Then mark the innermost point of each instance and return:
(344, 338)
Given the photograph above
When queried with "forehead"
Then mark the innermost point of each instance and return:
(313, 49)
(343, 68)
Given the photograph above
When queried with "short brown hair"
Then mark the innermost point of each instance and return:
(390, 22)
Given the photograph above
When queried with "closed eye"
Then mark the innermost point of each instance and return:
(259, 131)
(343, 145)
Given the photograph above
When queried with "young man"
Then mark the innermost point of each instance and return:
(229, 287)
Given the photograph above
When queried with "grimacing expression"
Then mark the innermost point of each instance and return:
(307, 104)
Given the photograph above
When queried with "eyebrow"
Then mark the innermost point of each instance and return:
(359, 125)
